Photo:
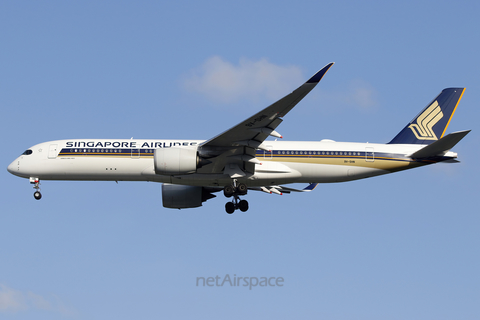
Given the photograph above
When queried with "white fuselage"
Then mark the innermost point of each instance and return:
(287, 162)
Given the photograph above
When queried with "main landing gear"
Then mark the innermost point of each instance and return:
(36, 182)
(235, 191)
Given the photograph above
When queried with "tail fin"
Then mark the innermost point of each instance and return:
(430, 124)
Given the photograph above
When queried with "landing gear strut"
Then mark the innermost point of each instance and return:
(36, 182)
(235, 191)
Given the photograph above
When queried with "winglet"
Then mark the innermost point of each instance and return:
(310, 187)
(319, 75)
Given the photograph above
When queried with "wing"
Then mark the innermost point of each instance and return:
(282, 189)
(233, 151)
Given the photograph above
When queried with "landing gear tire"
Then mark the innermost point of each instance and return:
(243, 205)
(230, 207)
(37, 195)
(228, 191)
(242, 189)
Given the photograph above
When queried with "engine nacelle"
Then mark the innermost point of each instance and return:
(176, 196)
(175, 160)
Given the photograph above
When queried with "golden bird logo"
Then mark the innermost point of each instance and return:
(423, 129)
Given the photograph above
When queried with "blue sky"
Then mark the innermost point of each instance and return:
(400, 246)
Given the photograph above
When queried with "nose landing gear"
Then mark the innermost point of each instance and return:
(235, 191)
(36, 182)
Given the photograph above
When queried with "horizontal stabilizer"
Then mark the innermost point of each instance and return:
(440, 147)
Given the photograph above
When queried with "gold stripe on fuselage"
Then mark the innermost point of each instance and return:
(384, 163)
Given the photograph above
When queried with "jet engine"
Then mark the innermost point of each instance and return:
(176, 196)
(177, 160)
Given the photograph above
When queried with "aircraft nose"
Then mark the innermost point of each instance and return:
(12, 167)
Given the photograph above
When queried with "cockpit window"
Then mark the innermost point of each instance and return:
(28, 152)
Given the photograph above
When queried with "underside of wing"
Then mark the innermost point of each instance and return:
(283, 189)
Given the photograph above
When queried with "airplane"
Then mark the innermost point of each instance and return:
(242, 159)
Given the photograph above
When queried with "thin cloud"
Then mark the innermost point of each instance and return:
(358, 95)
(12, 301)
(223, 82)
(363, 95)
